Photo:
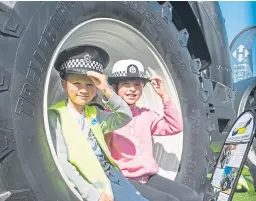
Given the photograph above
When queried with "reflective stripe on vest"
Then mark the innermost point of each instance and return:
(80, 153)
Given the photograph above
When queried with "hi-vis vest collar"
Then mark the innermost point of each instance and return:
(80, 152)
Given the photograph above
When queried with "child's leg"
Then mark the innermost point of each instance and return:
(124, 194)
(173, 188)
(123, 190)
(152, 194)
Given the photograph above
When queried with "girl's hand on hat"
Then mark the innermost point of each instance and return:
(105, 197)
(100, 81)
(158, 85)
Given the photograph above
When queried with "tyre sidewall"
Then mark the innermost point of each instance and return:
(28, 79)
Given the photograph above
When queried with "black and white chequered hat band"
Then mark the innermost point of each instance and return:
(124, 74)
(81, 63)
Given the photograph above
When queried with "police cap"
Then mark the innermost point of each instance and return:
(81, 59)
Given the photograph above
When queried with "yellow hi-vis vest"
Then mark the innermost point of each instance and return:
(80, 153)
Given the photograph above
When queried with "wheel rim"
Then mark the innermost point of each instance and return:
(112, 35)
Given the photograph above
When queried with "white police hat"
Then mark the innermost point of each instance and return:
(127, 69)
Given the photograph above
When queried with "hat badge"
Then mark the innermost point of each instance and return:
(87, 58)
(132, 69)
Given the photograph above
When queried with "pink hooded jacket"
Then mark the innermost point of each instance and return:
(131, 145)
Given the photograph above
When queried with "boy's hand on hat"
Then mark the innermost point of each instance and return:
(158, 85)
(100, 81)
(105, 197)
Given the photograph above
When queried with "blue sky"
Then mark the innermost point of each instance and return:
(238, 16)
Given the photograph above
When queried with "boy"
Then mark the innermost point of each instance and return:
(131, 145)
(77, 128)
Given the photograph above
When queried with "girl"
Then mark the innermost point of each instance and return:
(131, 145)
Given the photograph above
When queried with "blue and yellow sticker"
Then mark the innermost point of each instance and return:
(94, 121)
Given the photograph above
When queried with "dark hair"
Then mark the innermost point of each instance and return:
(65, 75)
(132, 79)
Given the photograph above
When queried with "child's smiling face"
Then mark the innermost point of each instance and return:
(79, 88)
(130, 90)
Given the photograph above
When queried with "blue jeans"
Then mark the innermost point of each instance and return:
(122, 189)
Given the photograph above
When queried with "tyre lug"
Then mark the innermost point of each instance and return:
(183, 37)
(167, 12)
(205, 95)
(195, 65)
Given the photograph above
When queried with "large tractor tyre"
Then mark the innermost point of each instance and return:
(31, 36)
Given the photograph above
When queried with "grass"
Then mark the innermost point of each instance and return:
(247, 196)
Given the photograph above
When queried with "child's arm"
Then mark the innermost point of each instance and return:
(86, 190)
(169, 124)
(121, 113)
(119, 116)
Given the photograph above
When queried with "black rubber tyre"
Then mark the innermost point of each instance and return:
(29, 33)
